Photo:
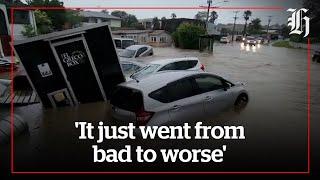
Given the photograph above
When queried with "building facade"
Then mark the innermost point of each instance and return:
(92, 17)
(159, 38)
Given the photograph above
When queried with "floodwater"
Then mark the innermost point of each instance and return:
(275, 119)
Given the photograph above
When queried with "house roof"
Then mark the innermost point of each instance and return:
(97, 14)
(130, 31)
(157, 32)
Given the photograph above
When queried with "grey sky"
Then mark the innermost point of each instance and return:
(225, 16)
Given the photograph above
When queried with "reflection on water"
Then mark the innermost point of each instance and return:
(249, 48)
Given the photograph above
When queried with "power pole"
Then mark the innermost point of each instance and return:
(269, 20)
(234, 23)
(208, 12)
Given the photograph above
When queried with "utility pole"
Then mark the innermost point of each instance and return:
(234, 23)
(269, 20)
(208, 12)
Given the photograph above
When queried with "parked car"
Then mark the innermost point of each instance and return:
(130, 67)
(239, 38)
(122, 43)
(175, 97)
(224, 40)
(250, 40)
(187, 63)
(135, 51)
(316, 56)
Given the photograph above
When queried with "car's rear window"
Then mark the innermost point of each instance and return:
(127, 99)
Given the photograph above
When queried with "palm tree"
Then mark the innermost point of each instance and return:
(246, 16)
(173, 15)
(213, 17)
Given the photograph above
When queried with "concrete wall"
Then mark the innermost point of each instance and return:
(305, 46)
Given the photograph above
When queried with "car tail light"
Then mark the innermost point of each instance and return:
(143, 117)
(202, 67)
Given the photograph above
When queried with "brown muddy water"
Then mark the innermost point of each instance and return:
(275, 119)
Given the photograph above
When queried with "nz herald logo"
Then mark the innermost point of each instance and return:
(74, 58)
(299, 22)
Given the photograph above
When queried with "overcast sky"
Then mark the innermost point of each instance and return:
(225, 16)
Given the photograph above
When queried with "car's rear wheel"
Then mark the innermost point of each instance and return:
(241, 101)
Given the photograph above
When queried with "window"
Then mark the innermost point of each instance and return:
(127, 43)
(167, 67)
(129, 68)
(149, 69)
(117, 43)
(127, 99)
(163, 39)
(180, 89)
(160, 95)
(153, 39)
(174, 91)
(140, 51)
(184, 65)
(208, 83)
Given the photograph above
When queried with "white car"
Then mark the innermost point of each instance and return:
(175, 97)
(135, 51)
(224, 40)
(186, 63)
(130, 67)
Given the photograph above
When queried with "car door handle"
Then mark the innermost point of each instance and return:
(208, 98)
(176, 108)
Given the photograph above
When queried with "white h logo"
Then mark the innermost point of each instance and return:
(296, 21)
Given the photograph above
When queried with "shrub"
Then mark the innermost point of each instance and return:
(187, 36)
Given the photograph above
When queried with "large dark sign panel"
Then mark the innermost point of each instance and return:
(75, 61)
(71, 67)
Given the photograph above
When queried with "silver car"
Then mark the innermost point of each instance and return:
(174, 97)
(186, 63)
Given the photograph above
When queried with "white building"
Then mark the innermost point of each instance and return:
(92, 17)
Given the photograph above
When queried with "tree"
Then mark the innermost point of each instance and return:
(255, 26)
(246, 16)
(163, 22)
(173, 15)
(201, 15)
(59, 18)
(187, 36)
(284, 31)
(213, 17)
(44, 24)
(156, 23)
(127, 20)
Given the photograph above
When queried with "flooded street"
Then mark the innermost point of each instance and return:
(275, 119)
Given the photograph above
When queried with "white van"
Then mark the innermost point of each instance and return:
(122, 43)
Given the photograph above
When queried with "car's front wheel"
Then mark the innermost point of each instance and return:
(241, 101)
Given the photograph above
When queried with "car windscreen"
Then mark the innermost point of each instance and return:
(250, 38)
(127, 53)
(149, 69)
(127, 99)
(127, 43)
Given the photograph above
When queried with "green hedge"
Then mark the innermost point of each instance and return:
(187, 36)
